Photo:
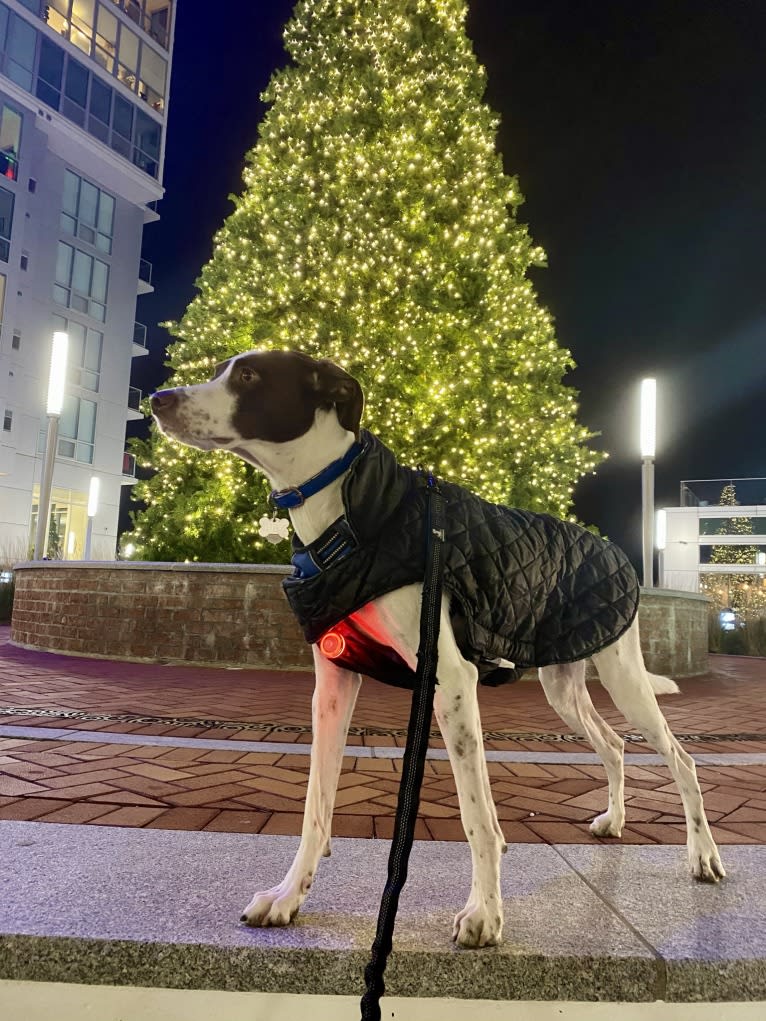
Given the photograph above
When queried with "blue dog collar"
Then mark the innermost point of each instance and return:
(296, 496)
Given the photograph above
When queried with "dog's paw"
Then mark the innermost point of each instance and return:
(277, 906)
(605, 825)
(705, 863)
(478, 927)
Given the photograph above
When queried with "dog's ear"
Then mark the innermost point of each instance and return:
(336, 387)
(220, 368)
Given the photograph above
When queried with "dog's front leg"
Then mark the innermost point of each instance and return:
(332, 706)
(480, 923)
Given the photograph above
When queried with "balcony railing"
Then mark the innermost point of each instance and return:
(707, 492)
(134, 398)
(139, 334)
(145, 271)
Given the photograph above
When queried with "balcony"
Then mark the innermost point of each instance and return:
(145, 277)
(150, 212)
(139, 340)
(128, 469)
(135, 396)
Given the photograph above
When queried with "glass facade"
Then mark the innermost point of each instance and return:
(44, 69)
(95, 30)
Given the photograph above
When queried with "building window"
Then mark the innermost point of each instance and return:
(146, 152)
(127, 58)
(24, 260)
(88, 212)
(100, 110)
(151, 83)
(77, 429)
(122, 126)
(10, 142)
(16, 341)
(6, 222)
(75, 92)
(106, 39)
(85, 348)
(68, 522)
(7, 420)
(82, 21)
(81, 281)
(57, 16)
(20, 52)
(50, 73)
(2, 296)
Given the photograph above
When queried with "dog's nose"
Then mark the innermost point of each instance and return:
(163, 400)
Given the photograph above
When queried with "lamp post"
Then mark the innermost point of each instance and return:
(93, 491)
(56, 381)
(648, 444)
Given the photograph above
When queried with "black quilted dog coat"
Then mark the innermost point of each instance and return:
(524, 587)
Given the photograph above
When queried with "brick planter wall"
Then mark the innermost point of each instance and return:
(674, 632)
(236, 615)
(221, 614)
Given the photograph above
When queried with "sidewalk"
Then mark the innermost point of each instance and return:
(226, 751)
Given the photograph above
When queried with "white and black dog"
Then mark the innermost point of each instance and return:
(290, 416)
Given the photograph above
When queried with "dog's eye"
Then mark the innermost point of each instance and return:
(247, 375)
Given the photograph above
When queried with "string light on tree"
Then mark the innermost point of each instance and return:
(377, 228)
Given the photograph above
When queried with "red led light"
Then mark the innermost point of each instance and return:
(332, 645)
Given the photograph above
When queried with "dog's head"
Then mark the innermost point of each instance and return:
(268, 396)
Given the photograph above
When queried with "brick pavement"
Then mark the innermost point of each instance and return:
(263, 791)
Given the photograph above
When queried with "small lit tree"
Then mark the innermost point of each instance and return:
(377, 228)
(742, 592)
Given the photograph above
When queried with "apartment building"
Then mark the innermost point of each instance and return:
(83, 106)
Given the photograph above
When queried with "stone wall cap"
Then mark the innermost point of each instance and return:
(672, 593)
(151, 565)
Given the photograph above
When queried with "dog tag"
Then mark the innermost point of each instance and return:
(274, 529)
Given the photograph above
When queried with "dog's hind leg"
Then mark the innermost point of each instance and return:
(622, 672)
(480, 923)
(332, 706)
(565, 688)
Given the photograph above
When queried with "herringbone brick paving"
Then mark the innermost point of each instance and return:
(263, 792)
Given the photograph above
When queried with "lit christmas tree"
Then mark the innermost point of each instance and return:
(741, 592)
(376, 228)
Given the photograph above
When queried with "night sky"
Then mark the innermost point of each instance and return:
(638, 133)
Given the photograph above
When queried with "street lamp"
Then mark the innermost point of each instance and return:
(93, 491)
(56, 381)
(648, 444)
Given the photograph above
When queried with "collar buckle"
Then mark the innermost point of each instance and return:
(292, 497)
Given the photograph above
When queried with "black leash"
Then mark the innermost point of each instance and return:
(414, 753)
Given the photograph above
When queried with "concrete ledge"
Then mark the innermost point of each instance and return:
(102, 905)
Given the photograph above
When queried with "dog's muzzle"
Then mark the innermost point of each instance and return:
(165, 402)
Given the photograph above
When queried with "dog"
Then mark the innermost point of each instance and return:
(290, 416)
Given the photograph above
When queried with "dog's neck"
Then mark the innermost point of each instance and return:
(287, 465)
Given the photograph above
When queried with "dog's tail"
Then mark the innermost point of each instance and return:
(663, 685)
